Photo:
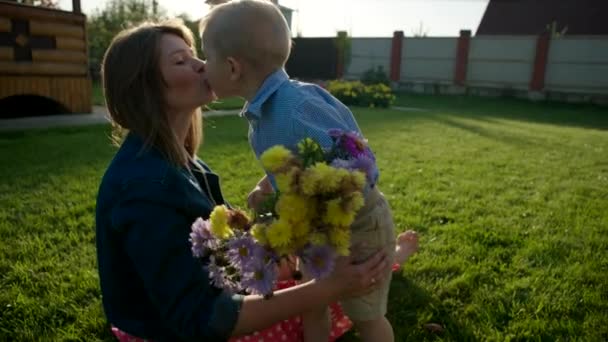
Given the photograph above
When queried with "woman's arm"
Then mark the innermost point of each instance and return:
(156, 243)
(347, 280)
(154, 234)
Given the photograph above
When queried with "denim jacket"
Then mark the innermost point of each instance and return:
(151, 284)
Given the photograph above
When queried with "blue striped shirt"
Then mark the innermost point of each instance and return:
(285, 111)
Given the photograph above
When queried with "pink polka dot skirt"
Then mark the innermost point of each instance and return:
(290, 330)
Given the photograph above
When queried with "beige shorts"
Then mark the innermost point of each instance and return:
(374, 227)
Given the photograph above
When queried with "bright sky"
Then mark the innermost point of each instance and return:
(361, 18)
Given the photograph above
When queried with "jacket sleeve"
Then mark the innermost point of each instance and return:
(156, 240)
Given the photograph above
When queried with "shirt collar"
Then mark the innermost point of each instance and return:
(269, 87)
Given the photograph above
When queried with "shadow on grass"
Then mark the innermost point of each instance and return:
(495, 134)
(545, 112)
(410, 308)
(370, 119)
(409, 305)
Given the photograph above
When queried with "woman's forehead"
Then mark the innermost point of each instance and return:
(171, 44)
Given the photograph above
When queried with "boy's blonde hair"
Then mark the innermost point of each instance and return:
(253, 30)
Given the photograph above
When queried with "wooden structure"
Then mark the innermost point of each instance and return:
(43, 53)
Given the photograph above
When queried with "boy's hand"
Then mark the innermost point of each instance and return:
(259, 193)
(256, 197)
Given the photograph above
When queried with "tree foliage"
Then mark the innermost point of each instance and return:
(104, 24)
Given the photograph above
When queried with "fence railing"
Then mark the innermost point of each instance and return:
(572, 67)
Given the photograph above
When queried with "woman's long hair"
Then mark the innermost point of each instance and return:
(134, 90)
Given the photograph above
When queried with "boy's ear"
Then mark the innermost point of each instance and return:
(236, 69)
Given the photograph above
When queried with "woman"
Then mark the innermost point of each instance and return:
(153, 190)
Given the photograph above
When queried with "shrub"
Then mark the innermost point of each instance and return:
(355, 93)
(375, 76)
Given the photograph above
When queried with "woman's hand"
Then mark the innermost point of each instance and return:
(354, 280)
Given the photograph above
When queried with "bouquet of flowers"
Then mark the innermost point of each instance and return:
(318, 194)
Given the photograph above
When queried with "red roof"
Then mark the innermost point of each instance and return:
(531, 17)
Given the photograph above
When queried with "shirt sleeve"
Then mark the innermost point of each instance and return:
(156, 237)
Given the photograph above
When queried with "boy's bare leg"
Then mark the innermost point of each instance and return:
(407, 244)
(377, 330)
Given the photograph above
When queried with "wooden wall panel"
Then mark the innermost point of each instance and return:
(58, 56)
(56, 29)
(72, 92)
(51, 62)
(64, 43)
(7, 54)
(5, 25)
(57, 69)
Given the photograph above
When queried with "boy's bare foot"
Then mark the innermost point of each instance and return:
(407, 244)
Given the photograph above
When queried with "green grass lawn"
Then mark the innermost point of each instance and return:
(510, 199)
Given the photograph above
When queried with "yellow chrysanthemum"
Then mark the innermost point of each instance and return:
(318, 239)
(354, 202)
(340, 238)
(342, 174)
(219, 222)
(358, 179)
(330, 179)
(293, 207)
(279, 234)
(308, 182)
(308, 145)
(298, 243)
(300, 229)
(275, 157)
(327, 175)
(284, 250)
(319, 178)
(335, 214)
(353, 181)
(258, 231)
(283, 181)
(342, 251)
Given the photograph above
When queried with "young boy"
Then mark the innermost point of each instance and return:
(247, 44)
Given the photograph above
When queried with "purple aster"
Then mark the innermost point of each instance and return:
(368, 153)
(260, 279)
(354, 143)
(367, 166)
(259, 254)
(350, 146)
(343, 164)
(318, 260)
(201, 238)
(220, 278)
(241, 250)
(216, 273)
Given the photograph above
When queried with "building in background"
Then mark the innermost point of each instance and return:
(533, 17)
(43, 60)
